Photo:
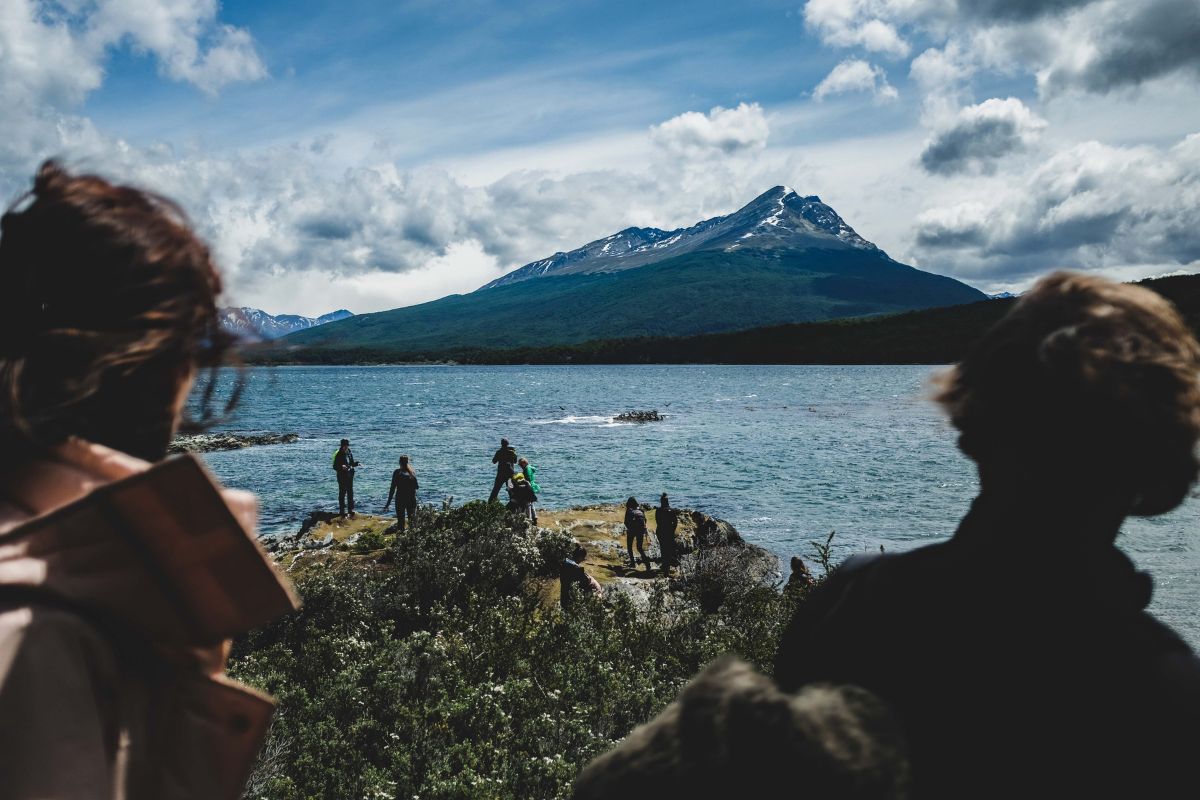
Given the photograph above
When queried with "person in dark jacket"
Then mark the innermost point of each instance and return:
(404, 489)
(520, 495)
(572, 574)
(667, 523)
(1019, 655)
(343, 466)
(505, 460)
(635, 531)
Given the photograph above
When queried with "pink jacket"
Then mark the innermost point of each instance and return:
(118, 583)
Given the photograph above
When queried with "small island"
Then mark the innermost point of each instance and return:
(213, 442)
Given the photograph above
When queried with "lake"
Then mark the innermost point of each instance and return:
(785, 453)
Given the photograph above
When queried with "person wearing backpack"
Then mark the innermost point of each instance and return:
(635, 531)
(343, 466)
(530, 473)
(404, 489)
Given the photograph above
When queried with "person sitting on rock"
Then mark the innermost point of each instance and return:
(404, 489)
(1019, 654)
(635, 531)
(505, 460)
(572, 574)
(530, 473)
(667, 524)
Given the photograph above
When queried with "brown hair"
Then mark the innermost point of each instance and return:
(111, 303)
(1092, 379)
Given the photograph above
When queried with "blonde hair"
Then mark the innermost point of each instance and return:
(1101, 375)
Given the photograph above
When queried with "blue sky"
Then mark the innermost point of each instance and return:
(370, 154)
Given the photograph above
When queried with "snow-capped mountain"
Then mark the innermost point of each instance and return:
(256, 323)
(778, 218)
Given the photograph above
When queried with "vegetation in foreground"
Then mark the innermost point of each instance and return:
(433, 666)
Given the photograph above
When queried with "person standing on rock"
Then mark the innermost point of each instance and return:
(635, 531)
(343, 466)
(404, 489)
(667, 524)
(530, 472)
(505, 460)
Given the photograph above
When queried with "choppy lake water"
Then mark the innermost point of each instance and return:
(785, 453)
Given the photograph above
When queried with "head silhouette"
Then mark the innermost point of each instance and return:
(1087, 387)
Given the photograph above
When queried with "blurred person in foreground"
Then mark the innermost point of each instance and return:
(118, 586)
(1019, 655)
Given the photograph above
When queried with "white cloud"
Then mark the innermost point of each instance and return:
(980, 136)
(855, 75)
(728, 130)
(852, 23)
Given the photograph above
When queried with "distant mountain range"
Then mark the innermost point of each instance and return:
(783, 258)
(254, 322)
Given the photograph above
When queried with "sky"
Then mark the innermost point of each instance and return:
(369, 155)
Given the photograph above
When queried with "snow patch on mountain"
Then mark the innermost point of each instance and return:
(254, 323)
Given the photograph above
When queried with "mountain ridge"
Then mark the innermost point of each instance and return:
(254, 322)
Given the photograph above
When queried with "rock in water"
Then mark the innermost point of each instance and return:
(212, 442)
(639, 416)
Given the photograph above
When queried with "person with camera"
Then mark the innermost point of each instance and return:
(344, 466)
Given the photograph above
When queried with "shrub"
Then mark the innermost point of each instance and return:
(447, 676)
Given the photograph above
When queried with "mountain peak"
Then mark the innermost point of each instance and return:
(778, 219)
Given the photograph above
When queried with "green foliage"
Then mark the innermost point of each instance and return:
(446, 675)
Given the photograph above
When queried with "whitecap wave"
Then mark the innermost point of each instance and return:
(572, 419)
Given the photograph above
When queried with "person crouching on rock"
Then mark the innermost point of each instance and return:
(530, 473)
(404, 489)
(343, 467)
(635, 531)
(571, 574)
(520, 495)
(505, 460)
(667, 524)
(113, 611)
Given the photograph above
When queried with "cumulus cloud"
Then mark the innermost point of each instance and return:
(855, 75)
(852, 23)
(1091, 206)
(980, 136)
(728, 130)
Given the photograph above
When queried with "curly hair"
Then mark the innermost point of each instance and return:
(110, 304)
(1097, 377)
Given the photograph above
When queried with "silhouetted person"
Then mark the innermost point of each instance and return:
(635, 531)
(343, 466)
(572, 574)
(113, 614)
(1019, 654)
(801, 578)
(505, 460)
(731, 734)
(667, 524)
(404, 489)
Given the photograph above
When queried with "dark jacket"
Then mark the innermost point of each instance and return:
(344, 463)
(404, 486)
(635, 520)
(504, 459)
(1019, 657)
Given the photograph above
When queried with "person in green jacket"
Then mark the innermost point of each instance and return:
(530, 472)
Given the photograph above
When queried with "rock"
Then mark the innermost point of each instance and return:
(639, 416)
(316, 544)
(212, 442)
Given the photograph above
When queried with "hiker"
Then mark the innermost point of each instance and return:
(343, 467)
(1019, 654)
(666, 526)
(635, 531)
(520, 495)
(505, 460)
(530, 473)
(404, 489)
(122, 573)
(572, 574)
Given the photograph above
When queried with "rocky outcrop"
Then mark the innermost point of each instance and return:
(639, 416)
(212, 442)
